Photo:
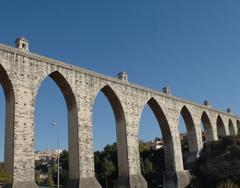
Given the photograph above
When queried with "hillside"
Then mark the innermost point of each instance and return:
(219, 162)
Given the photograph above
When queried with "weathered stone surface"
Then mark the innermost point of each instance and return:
(179, 179)
(22, 185)
(131, 181)
(89, 182)
(72, 183)
(21, 75)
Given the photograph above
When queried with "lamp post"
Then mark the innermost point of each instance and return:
(55, 125)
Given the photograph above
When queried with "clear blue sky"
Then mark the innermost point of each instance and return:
(191, 46)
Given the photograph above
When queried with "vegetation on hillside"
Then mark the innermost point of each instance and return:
(217, 167)
(218, 164)
(152, 165)
(4, 177)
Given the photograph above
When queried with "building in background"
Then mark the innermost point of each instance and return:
(47, 155)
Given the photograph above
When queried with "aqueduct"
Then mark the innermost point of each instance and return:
(21, 74)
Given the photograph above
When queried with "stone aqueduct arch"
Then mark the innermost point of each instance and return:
(72, 113)
(221, 129)
(207, 127)
(21, 74)
(231, 127)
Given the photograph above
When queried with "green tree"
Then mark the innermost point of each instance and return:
(64, 159)
(50, 181)
(143, 146)
(148, 166)
(109, 167)
(4, 177)
(38, 164)
(54, 169)
(218, 162)
(106, 163)
(37, 178)
(228, 184)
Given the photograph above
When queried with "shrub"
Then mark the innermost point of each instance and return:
(228, 184)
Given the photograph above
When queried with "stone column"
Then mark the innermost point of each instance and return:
(86, 156)
(128, 141)
(73, 147)
(131, 177)
(213, 122)
(9, 134)
(235, 127)
(198, 134)
(198, 130)
(226, 125)
(176, 177)
(24, 159)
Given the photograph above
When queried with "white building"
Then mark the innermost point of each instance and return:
(47, 155)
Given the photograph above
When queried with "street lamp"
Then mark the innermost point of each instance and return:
(55, 125)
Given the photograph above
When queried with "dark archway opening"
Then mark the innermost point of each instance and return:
(155, 145)
(188, 138)
(208, 133)
(220, 128)
(110, 157)
(238, 127)
(56, 132)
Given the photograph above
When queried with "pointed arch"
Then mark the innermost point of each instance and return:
(220, 127)
(119, 116)
(161, 118)
(208, 132)
(231, 127)
(65, 88)
(9, 120)
(166, 133)
(115, 103)
(187, 117)
(191, 132)
(6, 84)
(72, 114)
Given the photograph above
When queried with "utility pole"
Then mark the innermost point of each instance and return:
(58, 175)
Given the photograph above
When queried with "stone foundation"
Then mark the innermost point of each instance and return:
(72, 183)
(88, 182)
(132, 181)
(178, 179)
(21, 184)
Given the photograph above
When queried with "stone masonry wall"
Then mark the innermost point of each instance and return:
(26, 71)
